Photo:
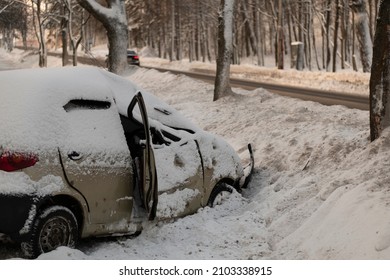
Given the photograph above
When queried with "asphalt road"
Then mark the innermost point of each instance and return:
(350, 100)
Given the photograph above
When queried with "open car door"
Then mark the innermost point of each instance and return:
(145, 163)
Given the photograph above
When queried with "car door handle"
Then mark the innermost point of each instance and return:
(74, 155)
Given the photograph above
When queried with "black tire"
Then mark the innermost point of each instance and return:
(219, 194)
(55, 226)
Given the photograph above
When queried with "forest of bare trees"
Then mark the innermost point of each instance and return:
(332, 34)
(313, 34)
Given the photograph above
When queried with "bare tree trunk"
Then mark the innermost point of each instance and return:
(164, 35)
(173, 29)
(314, 39)
(327, 28)
(236, 51)
(225, 49)
(39, 32)
(207, 44)
(249, 25)
(354, 62)
(363, 33)
(309, 27)
(280, 47)
(114, 21)
(24, 37)
(75, 42)
(87, 38)
(380, 75)
(259, 51)
(198, 32)
(342, 31)
(64, 35)
(347, 28)
(289, 28)
(178, 35)
(370, 18)
(8, 36)
(203, 37)
(336, 34)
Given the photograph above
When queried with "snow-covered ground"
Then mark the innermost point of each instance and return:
(320, 188)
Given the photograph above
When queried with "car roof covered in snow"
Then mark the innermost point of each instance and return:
(36, 97)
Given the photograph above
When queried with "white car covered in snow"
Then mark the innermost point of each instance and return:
(84, 152)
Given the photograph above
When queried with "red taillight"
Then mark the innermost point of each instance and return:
(136, 57)
(11, 161)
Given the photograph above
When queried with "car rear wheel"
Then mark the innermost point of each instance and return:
(55, 226)
(219, 194)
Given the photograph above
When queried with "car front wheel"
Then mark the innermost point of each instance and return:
(219, 194)
(55, 226)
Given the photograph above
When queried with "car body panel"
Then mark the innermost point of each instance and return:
(97, 162)
(108, 193)
(179, 170)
